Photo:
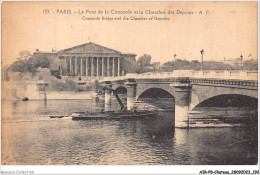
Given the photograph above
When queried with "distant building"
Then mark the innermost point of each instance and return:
(90, 60)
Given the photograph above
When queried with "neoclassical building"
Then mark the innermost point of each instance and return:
(90, 60)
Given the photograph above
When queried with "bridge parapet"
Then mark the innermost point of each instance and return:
(223, 74)
(229, 79)
(212, 74)
(249, 84)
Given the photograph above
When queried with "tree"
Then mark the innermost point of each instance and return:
(179, 64)
(144, 60)
(19, 66)
(182, 64)
(24, 55)
(22, 64)
(168, 66)
(250, 65)
(215, 65)
(195, 65)
(31, 64)
(40, 61)
(143, 63)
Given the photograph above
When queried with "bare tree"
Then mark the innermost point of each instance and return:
(24, 55)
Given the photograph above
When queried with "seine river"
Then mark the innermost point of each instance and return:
(30, 137)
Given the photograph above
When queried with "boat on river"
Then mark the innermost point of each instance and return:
(58, 116)
(113, 115)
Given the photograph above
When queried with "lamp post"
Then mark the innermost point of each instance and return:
(202, 51)
(174, 61)
(241, 56)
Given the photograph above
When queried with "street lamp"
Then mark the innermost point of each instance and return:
(202, 51)
(175, 61)
(241, 61)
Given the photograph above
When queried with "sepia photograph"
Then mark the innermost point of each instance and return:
(129, 83)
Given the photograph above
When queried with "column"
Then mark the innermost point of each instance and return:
(81, 66)
(113, 67)
(70, 72)
(73, 66)
(118, 66)
(182, 101)
(97, 67)
(92, 66)
(102, 66)
(86, 66)
(108, 98)
(131, 93)
(75, 71)
(108, 72)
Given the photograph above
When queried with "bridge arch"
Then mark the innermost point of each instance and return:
(201, 93)
(141, 88)
(158, 97)
(155, 93)
(121, 90)
(229, 100)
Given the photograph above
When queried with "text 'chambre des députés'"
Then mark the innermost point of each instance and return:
(119, 12)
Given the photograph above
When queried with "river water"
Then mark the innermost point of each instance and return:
(30, 137)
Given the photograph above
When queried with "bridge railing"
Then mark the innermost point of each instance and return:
(211, 74)
(222, 74)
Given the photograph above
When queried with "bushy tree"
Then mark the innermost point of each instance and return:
(24, 54)
(31, 64)
(144, 60)
(168, 66)
(143, 63)
(180, 64)
(250, 65)
(216, 65)
(19, 66)
(195, 65)
(40, 61)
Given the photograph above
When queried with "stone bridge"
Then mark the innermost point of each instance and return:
(189, 88)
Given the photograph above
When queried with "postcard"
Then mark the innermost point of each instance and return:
(130, 83)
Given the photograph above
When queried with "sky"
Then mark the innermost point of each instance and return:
(223, 30)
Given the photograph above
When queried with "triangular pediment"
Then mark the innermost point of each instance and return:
(89, 48)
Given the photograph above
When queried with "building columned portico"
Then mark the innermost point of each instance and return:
(92, 66)
(94, 60)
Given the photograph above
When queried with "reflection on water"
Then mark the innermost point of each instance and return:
(29, 136)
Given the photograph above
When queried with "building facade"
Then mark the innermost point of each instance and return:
(91, 60)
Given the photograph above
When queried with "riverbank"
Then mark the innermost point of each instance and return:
(18, 91)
